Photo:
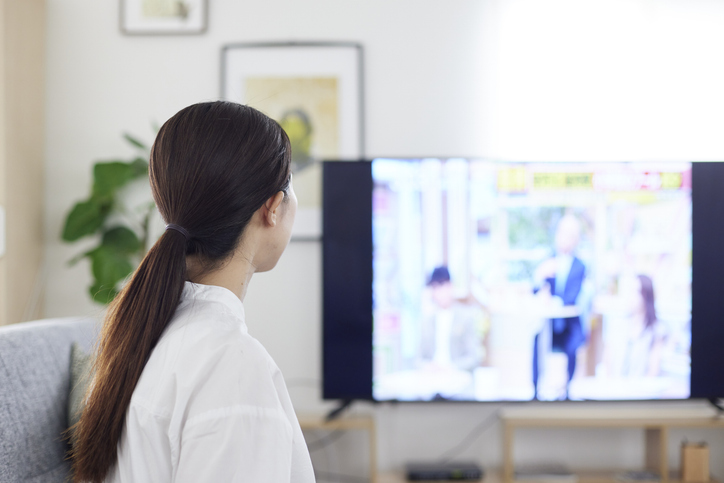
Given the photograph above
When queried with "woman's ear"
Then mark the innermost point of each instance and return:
(271, 208)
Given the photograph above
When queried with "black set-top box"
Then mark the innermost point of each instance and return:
(462, 471)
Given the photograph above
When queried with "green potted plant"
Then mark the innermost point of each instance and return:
(122, 231)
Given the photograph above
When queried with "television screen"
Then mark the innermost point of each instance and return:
(506, 281)
(475, 280)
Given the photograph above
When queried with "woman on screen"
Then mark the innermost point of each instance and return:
(645, 338)
(181, 392)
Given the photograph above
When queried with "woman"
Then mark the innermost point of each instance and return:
(181, 392)
(645, 337)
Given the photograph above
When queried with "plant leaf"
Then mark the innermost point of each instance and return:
(84, 219)
(108, 177)
(122, 240)
(79, 257)
(140, 167)
(134, 141)
(109, 266)
(102, 294)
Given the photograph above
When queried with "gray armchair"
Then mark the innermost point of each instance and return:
(34, 390)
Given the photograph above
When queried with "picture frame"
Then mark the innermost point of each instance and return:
(262, 75)
(163, 17)
(315, 90)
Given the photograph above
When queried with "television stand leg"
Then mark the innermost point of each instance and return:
(336, 412)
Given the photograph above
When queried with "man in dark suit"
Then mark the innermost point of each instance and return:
(563, 276)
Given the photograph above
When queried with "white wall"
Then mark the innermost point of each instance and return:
(518, 79)
(607, 80)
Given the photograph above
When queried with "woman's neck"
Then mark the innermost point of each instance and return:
(233, 274)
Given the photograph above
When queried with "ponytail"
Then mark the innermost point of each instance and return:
(132, 327)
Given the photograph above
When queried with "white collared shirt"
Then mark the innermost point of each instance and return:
(211, 405)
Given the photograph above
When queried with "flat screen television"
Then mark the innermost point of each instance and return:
(476, 280)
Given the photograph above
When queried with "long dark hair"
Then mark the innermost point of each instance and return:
(647, 294)
(212, 166)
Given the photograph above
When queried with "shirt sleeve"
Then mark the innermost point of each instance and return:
(236, 444)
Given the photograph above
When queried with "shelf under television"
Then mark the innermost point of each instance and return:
(496, 476)
(655, 422)
(615, 476)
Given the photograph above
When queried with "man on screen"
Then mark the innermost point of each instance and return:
(562, 275)
(449, 336)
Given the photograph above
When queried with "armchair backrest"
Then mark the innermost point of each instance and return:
(34, 389)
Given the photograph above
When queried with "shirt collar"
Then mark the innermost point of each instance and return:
(213, 293)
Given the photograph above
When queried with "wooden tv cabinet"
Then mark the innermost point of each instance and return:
(655, 422)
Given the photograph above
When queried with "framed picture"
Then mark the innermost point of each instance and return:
(315, 91)
(163, 17)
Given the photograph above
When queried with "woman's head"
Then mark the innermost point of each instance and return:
(213, 165)
(221, 172)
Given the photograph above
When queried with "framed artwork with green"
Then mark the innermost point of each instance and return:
(315, 91)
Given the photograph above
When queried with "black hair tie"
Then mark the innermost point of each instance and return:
(180, 229)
